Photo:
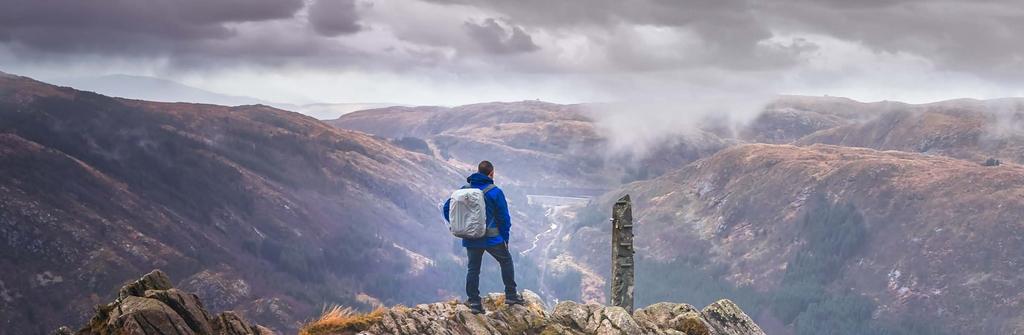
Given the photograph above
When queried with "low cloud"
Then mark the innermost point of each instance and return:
(334, 17)
(500, 37)
(637, 125)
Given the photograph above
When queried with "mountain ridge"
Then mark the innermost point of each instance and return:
(245, 203)
(163, 90)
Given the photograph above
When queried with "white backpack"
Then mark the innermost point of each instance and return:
(467, 213)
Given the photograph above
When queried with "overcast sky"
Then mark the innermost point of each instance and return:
(461, 51)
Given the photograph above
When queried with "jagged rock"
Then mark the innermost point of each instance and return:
(187, 306)
(568, 317)
(229, 323)
(692, 323)
(578, 316)
(727, 319)
(152, 306)
(154, 280)
(137, 315)
(670, 318)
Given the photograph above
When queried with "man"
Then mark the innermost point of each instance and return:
(497, 246)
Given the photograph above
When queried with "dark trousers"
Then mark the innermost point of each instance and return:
(508, 272)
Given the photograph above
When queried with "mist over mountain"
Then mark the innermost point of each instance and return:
(818, 213)
(809, 237)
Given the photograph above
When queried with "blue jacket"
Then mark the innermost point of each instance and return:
(497, 213)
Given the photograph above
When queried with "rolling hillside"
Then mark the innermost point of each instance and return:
(254, 208)
(911, 239)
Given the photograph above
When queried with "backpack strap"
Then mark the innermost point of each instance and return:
(488, 188)
(491, 231)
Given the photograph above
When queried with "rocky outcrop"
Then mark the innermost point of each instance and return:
(568, 317)
(152, 306)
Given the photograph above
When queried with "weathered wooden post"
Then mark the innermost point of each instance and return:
(622, 254)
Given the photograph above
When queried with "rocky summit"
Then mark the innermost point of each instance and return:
(568, 317)
(152, 306)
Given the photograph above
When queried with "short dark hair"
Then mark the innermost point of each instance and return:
(485, 168)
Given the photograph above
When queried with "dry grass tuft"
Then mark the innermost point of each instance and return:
(494, 303)
(341, 320)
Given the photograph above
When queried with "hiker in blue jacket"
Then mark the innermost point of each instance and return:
(497, 246)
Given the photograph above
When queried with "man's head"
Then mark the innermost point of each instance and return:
(485, 168)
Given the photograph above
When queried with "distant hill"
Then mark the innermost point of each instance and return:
(330, 111)
(535, 144)
(154, 89)
(903, 242)
(163, 90)
(968, 129)
(258, 210)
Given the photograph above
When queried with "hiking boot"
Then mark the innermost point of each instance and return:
(514, 299)
(476, 307)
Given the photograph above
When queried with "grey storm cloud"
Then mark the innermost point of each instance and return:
(334, 17)
(120, 25)
(980, 37)
(500, 38)
(976, 37)
(606, 12)
(733, 34)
